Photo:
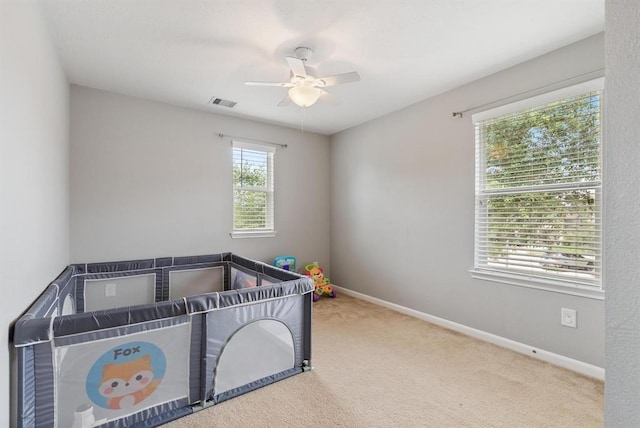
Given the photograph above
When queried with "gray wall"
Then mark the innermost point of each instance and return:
(34, 165)
(402, 214)
(149, 179)
(622, 209)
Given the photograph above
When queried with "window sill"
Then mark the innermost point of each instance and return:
(539, 283)
(253, 234)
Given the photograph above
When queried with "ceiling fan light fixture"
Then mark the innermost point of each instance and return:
(305, 85)
(304, 95)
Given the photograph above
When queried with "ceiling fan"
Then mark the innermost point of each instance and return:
(305, 85)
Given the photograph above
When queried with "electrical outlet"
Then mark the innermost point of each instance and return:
(569, 317)
(110, 289)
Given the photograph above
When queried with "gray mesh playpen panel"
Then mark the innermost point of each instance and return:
(226, 323)
(237, 365)
(191, 282)
(108, 293)
(242, 278)
(120, 375)
(68, 305)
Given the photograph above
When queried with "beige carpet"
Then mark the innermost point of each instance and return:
(374, 367)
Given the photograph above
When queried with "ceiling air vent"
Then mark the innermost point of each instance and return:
(222, 103)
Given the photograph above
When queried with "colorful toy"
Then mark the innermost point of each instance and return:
(323, 286)
(285, 262)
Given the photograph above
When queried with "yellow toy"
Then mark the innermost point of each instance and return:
(322, 283)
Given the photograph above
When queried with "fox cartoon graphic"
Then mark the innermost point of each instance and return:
(127, 384)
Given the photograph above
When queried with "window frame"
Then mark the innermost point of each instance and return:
(524, 279)
(269, 190)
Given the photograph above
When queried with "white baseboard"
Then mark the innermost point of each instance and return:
(555, 359)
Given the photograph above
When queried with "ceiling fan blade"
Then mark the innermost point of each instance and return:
(337, 79)
(330, 98)
(280, 84)
(286, 101)
(297, 66)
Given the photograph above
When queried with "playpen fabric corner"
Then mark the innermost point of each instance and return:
(148, 341)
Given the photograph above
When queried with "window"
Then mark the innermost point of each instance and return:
(538, 192)
(253, 166)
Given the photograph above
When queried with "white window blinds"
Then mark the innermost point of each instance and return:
(538, 189)
(253, 187)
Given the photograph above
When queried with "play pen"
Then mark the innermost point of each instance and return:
(147, 341)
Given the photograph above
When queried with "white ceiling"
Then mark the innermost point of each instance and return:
(184, 52)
